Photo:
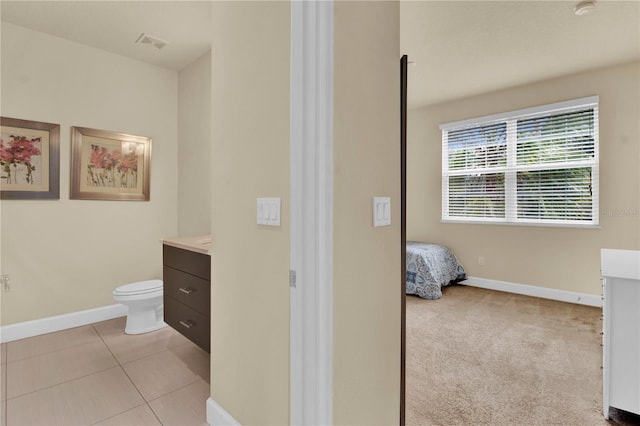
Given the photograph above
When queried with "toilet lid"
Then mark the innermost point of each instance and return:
(140, 287)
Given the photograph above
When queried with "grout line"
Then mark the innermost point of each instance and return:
(106, 345)
(61, 383)
(117, 414)
(55, 384)
(180, 388)
(130, 380)
(119, 365)
(154, 414)
(122, 368)
(48, 352)
(122, 364)
(166, 349)
(169, 393)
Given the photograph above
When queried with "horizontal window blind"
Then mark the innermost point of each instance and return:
(533, 166)
(556, 139)
(477, 196)
(563, 194)
(478, 147)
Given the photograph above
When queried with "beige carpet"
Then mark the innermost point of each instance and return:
(481, 357)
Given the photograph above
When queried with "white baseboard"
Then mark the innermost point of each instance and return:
(535, 291)
(22, 330)
(218, 416)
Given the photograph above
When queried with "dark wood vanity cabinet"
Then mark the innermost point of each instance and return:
(187, 293)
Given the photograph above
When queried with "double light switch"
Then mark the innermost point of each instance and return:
(268, 211)
(381, 211)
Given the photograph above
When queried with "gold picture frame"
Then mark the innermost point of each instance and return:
(109, 165)
(29, 160)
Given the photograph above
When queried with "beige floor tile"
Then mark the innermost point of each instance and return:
(3, 413)
(39, 372)
(51, 342)
(194, 358)
(159, 374)
(128, 347)
(139, 416)
(186, 406)
(79, 402)
(3, 382)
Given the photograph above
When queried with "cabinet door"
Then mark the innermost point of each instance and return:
(188, 322)
(624, 352)
(193, 291)
(197, 264)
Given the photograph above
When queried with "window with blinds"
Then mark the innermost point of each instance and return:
(535, 166)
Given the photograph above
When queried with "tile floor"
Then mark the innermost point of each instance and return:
(97, 375)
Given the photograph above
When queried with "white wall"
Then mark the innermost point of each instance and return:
(194, 147)
(559, 258)
(68, 255)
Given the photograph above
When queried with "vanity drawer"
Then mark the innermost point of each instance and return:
(188, 322)
(195, 263)
(186, 288)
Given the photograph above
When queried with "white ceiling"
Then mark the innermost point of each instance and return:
(464, 48)
(461, 48)
(114, 26)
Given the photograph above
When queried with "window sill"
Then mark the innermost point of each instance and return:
(497, 222)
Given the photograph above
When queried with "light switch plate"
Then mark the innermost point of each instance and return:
(268, 211)
(381, 211)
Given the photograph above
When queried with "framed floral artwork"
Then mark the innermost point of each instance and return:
(109, 166)
(29, 159)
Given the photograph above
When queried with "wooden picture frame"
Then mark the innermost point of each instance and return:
(109, 165)
(29, 160)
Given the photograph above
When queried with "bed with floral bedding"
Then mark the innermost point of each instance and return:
(429, 268)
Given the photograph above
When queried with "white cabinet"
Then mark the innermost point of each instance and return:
(621, 339)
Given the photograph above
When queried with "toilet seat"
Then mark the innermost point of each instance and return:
(139, 288)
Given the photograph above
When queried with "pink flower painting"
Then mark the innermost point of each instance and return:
(112, 168)
(20, 159)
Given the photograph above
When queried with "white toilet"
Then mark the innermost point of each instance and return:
(144, 300)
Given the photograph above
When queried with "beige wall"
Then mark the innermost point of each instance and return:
(68, 255)
(366, 292)
(194, 147)
(250, 159)
(250, 295)
(559, 258)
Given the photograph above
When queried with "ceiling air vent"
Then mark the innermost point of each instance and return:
(156, 42)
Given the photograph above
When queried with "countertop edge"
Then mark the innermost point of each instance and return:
(188, 243)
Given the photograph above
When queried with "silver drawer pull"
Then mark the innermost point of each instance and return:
(186, 290)
(187, 323)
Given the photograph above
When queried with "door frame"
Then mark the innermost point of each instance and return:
(311, 250)
(404, 63)
(311, 176)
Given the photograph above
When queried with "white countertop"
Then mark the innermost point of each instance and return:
(196, 243)
(620, 263)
